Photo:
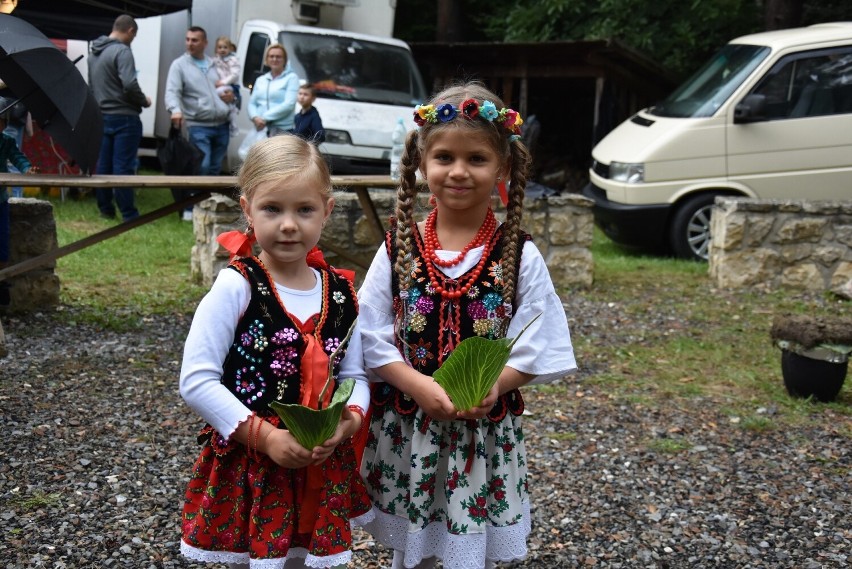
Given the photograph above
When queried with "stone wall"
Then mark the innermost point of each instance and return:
(33, 232)
(561, 227)
(791, 244)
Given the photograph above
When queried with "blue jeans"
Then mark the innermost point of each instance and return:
(119, 147)
(213, 141)
(16, 132)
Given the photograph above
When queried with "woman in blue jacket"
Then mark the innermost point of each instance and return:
(273, 98)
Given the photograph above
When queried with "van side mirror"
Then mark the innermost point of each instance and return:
(750, 109)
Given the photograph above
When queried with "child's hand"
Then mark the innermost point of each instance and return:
(285, 451)
(33, 170)
(481, 410)
(349, 424)
(435, 402)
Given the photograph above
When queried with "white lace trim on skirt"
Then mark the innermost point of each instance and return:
(464, 551)
(296, 552)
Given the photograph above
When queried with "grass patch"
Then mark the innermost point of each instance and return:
(34, 501)
(667, 445)
(563, 436)
(686, 340)
(143, 271)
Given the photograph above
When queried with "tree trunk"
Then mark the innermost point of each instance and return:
(449, 22)
(782, 14)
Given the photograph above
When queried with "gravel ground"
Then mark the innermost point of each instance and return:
(97, 447)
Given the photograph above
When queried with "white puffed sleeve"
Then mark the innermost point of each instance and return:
(206, 348)
(544, 349)
(376, 317)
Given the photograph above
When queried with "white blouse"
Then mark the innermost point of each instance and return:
(544, 350)
(212, 333)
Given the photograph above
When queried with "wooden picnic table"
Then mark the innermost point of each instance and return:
(204, 185)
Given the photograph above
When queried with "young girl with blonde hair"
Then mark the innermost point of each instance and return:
(447, 484)
(265, 332)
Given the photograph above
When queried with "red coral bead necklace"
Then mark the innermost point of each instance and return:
(431, 243)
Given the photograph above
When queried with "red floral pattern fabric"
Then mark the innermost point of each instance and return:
(237, 508)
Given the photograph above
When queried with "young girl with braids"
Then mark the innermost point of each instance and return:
(265, 332)
(447, 484)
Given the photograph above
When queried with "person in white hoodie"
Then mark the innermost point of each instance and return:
(273, 99)
(191, 98)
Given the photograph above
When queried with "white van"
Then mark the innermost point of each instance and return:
(769, 116)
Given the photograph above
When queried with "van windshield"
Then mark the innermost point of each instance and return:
(710, 86)
(354, 69)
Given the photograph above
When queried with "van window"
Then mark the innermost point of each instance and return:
(355, 69)
(710, 86)
(255, 66)
(815, 83)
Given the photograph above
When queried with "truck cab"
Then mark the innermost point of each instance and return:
(769, 117)
(363, 84)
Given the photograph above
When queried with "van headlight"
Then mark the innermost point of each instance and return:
(629, 173)
(337, 137)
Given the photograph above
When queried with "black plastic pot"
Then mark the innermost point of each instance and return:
(805, 377)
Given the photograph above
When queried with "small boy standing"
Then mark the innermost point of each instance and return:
(308, 121)
(9, 152)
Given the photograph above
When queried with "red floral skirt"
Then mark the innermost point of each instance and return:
(238, 508)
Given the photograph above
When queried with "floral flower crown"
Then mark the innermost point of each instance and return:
(470, 109)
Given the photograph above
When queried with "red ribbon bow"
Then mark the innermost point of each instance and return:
(237, 243)
(316, 260)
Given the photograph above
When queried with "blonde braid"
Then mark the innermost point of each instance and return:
(406, 197)
(514, 210)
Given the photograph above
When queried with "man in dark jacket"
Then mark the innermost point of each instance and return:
(112, 77)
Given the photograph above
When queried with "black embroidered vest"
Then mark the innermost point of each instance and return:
(434, 325)
(263, 364)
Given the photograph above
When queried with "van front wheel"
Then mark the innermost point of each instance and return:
(690, 228)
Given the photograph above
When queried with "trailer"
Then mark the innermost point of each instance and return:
(365, 79)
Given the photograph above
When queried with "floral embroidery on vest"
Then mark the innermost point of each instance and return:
(264, 361)
(433, 325)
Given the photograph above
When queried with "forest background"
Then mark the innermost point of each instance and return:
(680, 34)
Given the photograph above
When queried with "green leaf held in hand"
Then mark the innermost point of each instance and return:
(474, 366)
(312, 427)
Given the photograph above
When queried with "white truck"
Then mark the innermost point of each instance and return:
(365, 79)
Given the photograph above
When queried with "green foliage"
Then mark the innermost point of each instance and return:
(674, 33)
(312, 427)
(473, 367)
(679, 34)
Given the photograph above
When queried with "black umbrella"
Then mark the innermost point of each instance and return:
(88, 19)
(52, 89)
